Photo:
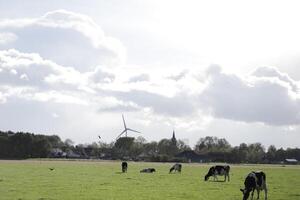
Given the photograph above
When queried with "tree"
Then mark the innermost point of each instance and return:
(140, 140)
(55, 141)
(68, 142)
(212, 144)
(123, 146)
(293, 153)
(243, 152)
(167, 147)
(151, 149)
(271, 154)
(182, 146)
(280, 154)
(256, 153)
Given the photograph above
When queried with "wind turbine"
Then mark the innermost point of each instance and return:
(126, 129)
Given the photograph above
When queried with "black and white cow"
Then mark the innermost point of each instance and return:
(176, 168)
(255, 181)
(124, 167)
(220, 170)
(147, 170)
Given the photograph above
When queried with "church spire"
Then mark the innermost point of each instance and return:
(174, 141)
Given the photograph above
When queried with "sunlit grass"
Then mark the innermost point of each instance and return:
(104, 180)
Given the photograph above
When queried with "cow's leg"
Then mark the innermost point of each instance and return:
(266, 193)
(252, 194)
(258, 190)
(228, 177)
(215, 177)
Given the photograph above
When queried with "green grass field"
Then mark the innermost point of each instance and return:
(32, 179)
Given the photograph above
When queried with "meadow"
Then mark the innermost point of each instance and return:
(71, 180)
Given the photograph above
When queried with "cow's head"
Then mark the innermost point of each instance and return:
(210, 172)
(206, 177)
(245, 193)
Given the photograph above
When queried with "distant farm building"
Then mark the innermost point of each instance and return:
(57, 153)
(291, 161)
(192, 156)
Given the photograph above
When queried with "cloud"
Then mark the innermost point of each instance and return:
(67, 38)
(272, 72)
(30, 69)
(98, 75)
(7, 38)
(266, 96)
(139, 78)
(29, 76)
(179, 76)
(177, 106)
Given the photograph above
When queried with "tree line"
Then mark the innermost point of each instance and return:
(20, 145)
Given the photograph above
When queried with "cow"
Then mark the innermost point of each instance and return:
(220, 170)
(176, 168)
(124, 167)
(147, 170)
(255, 181)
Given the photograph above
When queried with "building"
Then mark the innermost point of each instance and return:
(291, 161)
(192, 156)
(173, 139)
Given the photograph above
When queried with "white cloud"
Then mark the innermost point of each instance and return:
(2, 98)
(44, 80)
(67, 38)
(58, 97)
(7, 38)
(266, 95)
(140, 78)
(179, 76)
(55, 115)
(98, 75)
(272, 72)
(178, 106)
(256, 98)
(24, 77)
(41, 73)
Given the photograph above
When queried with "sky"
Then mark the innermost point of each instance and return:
(202, 68)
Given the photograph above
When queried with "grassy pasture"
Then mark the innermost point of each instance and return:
(70, 180)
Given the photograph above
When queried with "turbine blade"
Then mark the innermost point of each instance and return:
(121, 133)
(124, 121)
(129, 129)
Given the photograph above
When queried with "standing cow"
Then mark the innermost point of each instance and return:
(124, 167)
(218, 170)
(255, 181)
(176, 168)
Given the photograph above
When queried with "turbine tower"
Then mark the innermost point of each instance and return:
(126, 129)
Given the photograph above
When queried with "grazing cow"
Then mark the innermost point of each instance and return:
(220, 170)
(148, 170)
(124, 167)
(177, 167)
(255, 181)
